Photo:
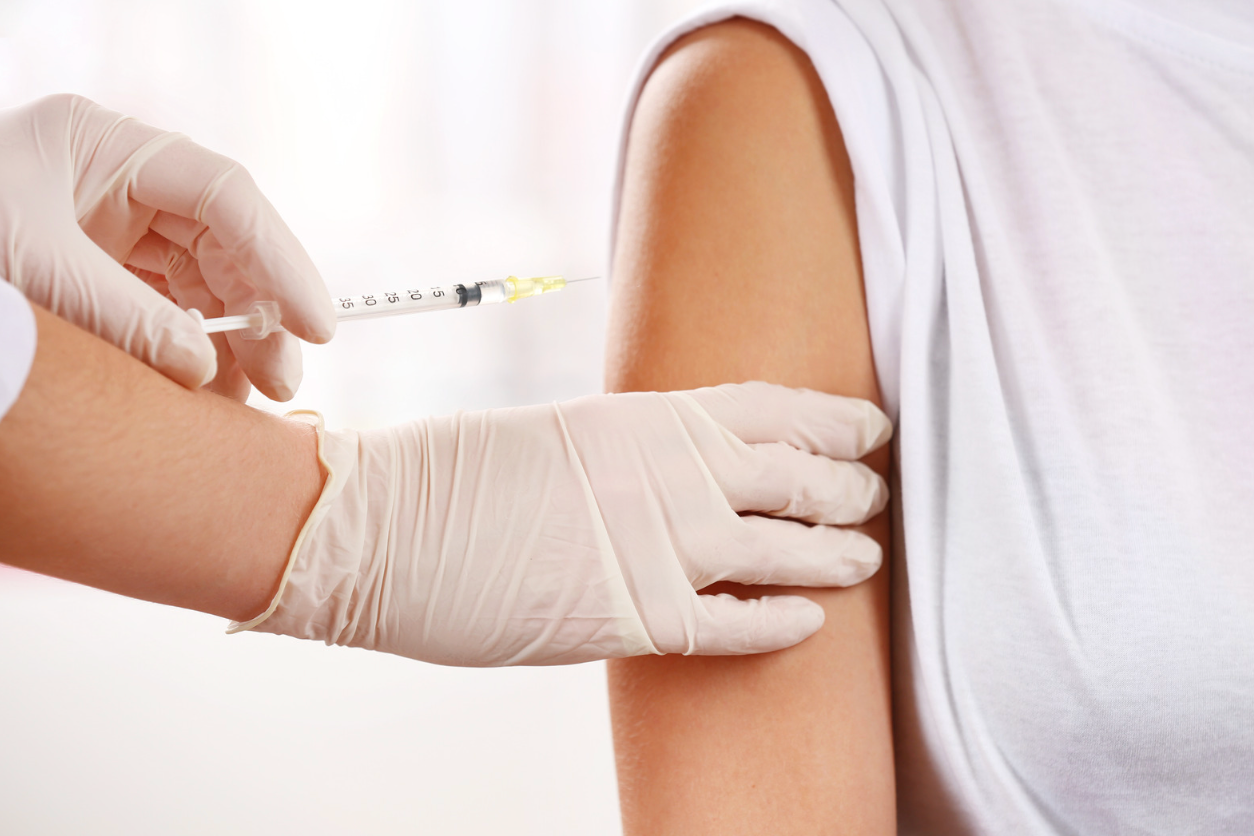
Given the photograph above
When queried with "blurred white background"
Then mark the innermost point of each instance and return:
(405, 143)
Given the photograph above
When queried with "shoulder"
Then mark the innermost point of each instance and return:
(737, 80)
(735, 184)
(738, 50)
(735, 113)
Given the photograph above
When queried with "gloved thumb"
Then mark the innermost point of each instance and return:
(87, 287)
(733, 627)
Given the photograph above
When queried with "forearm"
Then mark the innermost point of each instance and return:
(115, 477)
(737, 259)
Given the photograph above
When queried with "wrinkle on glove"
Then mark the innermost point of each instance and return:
(584, 530)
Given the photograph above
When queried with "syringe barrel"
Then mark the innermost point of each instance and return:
(430, 299)
(263, 317)
(372, 305)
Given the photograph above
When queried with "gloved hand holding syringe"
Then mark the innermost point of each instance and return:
(263, 318)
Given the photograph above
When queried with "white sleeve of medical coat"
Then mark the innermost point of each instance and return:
(17, 344)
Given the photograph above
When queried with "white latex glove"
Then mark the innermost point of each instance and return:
(584, 530)
(84, 191)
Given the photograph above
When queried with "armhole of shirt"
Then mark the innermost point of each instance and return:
(17, 344)
(861, 98)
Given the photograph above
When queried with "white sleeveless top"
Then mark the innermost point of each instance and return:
(1056, 211)
(17, 344)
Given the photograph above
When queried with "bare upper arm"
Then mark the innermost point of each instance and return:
(736, 259)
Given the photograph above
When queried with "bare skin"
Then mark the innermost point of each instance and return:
(737, 259)
(113, 476)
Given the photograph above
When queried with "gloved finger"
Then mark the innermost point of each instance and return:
(230, 381)
(99, 295)
(189, 291)
(786, 553)
(222, 277)
(204, 277)
(829, 425)
(157, 254)
(183, 179)
(272, 364)
(783, 481)
(729, 626)
(180, 272)
(190, 250)
(154, 280)
(180, 230)
(160, 261)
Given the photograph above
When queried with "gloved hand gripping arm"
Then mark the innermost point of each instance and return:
(584, 530)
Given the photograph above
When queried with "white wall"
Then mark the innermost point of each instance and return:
(406, 143)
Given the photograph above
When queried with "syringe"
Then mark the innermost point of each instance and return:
(263, 318)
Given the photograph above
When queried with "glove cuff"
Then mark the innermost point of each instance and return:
(336, 477)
